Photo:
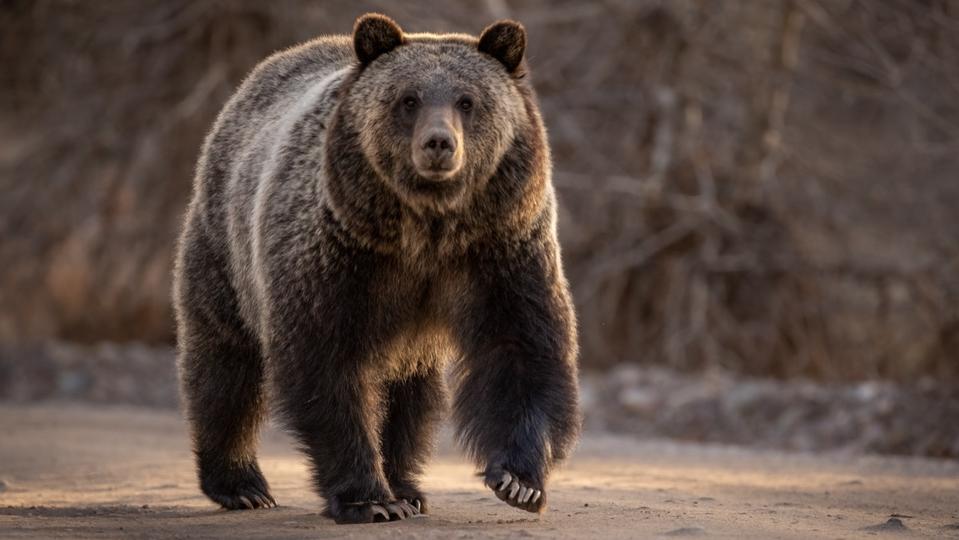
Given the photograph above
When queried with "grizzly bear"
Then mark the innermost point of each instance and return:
(367, 211)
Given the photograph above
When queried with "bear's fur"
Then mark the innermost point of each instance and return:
(364, 211)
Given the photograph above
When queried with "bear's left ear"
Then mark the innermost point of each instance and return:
(375, 34)
(506, 42)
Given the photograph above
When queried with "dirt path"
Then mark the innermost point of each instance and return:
(69, 471)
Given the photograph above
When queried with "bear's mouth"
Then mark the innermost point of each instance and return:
(441, 191)
(439, 186)
(436, 174)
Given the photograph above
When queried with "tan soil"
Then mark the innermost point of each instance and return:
(76, 471)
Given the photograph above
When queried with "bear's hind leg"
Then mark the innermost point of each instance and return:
(222, 379)
(222, 383)
(414, 406)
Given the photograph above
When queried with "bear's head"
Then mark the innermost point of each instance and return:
(434, 115)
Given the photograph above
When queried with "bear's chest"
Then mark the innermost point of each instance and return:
(418, 314)
(429, 246)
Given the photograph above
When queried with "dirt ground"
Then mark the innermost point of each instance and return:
(80, 471)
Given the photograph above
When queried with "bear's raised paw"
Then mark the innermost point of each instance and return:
(509, 488)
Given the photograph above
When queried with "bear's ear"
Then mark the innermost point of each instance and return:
(375, 34)
(506, 42)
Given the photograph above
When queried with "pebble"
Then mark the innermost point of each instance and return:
(891, 525)
(686, 531)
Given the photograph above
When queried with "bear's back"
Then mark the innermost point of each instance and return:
(247, 144)
(263, 105)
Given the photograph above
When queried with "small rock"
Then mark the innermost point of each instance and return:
(867, 391)
(637, 400)
(3, 486)
(73, 383)
(891, 525)
(686, 531)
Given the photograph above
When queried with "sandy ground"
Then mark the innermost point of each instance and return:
(76, 471)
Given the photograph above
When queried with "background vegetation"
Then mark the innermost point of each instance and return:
(768, 187)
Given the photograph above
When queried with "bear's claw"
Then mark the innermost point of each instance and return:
(237, 488)
(248, 498)
(510, 489)
(390, 511)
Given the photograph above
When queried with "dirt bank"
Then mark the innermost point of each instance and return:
(715, 406)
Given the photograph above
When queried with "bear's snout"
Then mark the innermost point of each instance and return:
(437, 148)
(439, 145)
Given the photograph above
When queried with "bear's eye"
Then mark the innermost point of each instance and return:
(465, 104)
(410, 102)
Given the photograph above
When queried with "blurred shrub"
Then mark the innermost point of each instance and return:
(766, 186)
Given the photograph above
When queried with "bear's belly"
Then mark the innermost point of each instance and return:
(414, 351)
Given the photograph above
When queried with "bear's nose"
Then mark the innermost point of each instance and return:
(439, 145)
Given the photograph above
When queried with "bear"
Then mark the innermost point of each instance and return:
(373, 220)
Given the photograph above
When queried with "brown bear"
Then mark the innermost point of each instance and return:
(367, 210)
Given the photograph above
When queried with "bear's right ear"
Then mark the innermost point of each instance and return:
(375, 34)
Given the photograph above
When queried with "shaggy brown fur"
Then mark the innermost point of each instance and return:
(365, 211)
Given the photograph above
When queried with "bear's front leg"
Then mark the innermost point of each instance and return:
(414, 407)
(516, 401)
(319, 354)
(336, 420)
